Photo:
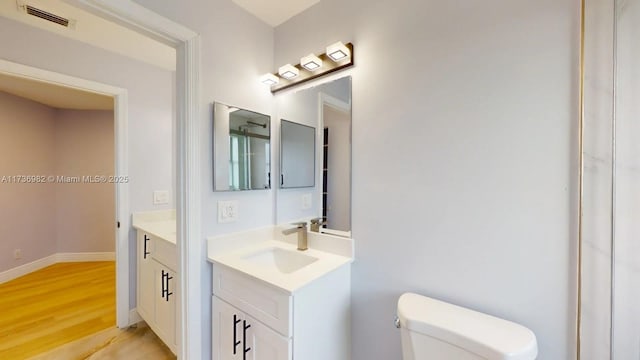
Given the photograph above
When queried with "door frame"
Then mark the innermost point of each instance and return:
(120, 112)
(188, 158)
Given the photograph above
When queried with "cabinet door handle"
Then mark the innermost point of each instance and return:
(236, 321)
(164, 289)
(146, 238)
(244, 339)
(281, 179)
(167, 287)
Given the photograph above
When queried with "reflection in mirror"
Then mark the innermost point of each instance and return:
(241, 149)
(297, 155)
(336, 166)
(326, 107)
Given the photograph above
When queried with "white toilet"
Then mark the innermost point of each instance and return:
(436, 330)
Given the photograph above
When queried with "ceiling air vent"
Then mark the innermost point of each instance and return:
(45, 15)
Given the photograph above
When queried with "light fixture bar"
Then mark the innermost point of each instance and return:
(312, 67)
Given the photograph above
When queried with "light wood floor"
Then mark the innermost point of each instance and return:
(54, 306)
(138, 343)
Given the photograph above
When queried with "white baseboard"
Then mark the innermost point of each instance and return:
(52, 259)
(27, 268)
(85, 257)
(134, 317)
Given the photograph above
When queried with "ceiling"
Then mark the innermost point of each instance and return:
(275, 12)
(56, 96)
(94, 30)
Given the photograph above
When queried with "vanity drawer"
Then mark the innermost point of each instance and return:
(265, 303)
(165, 253)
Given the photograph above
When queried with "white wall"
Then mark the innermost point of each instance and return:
(464, 158)
(236, 49)
(150, 100)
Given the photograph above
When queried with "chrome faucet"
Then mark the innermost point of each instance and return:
(301, 229)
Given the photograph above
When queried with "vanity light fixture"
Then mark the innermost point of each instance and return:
(311, 62)
(269, 79)
(288, 71)
(339, 56)
(338, 51)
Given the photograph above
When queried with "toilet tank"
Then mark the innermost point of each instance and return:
(433, 329)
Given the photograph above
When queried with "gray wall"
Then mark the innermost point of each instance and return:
(27, 147)
(42, 219)
(464, 158)
(85, 212)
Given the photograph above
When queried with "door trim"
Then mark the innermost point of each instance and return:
(188, 161)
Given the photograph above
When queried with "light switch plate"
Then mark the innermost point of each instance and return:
(306, 201)
(227, 211)
(160, 197)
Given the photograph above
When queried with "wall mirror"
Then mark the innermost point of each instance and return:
(297, 155)
(241, 149)
(327, 108)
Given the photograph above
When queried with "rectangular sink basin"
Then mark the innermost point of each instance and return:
(282, 260)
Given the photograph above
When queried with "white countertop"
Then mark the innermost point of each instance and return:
(291, 282)
(161, 224)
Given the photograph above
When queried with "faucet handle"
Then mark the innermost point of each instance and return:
(318, 221)
(300, 224)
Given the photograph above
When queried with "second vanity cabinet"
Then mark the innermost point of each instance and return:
(157, 286)
(254, 320)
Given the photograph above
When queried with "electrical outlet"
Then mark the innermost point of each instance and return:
(227, 211)
(160, 197)
(17, 254)
(306, 201)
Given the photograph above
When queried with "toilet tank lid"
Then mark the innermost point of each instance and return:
(485, 335)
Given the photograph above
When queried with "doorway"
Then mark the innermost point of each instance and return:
(120, 166)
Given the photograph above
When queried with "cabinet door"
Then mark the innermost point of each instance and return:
(264, 343)
(146, 279)
(227, 331)
(165, 295)
(237, 336)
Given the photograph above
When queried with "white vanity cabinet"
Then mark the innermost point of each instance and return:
(157, 286)
(255, 320)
